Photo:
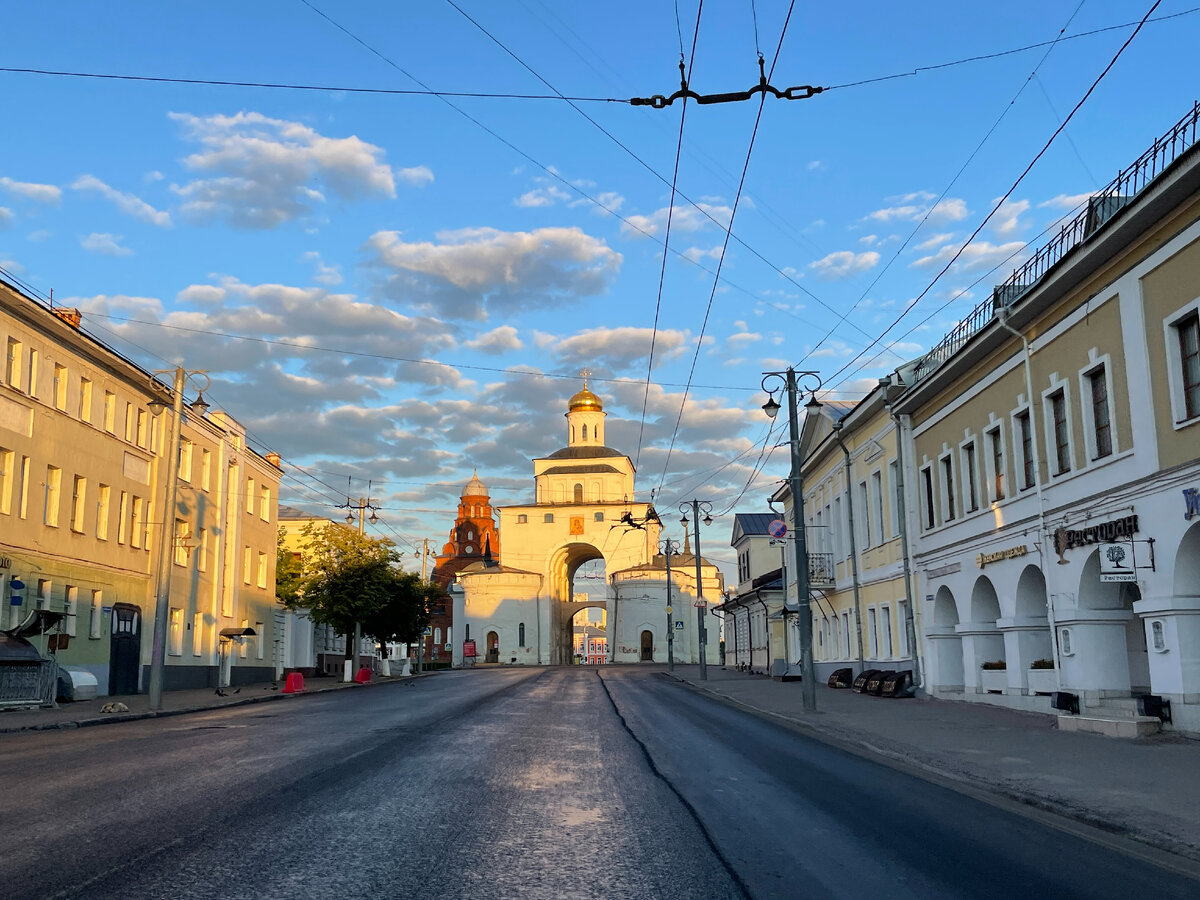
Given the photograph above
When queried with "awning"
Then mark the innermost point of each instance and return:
(229, 634)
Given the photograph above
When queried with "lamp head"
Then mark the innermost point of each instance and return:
(157, 405)
(374, 518)
(813, 405)
(771, 408)
(707, 521)
(200, 405)
(349, 518)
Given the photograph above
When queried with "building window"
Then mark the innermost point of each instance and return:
(85, 400)
(143, 433)
(259, 639)
(138, 527)
(123, 517)
(1187, 331)
(71, 608)
(45, 586)
(246, 560)
(202, 561)
(35, 363)
(521, 634)
(1062, 432)
(78, 503)
(548, 517)
(129, 422)
(1025, 436)
(250, 496)
(1158, 640)
(872, 632)
(12, 364)
(902, 627)
(1101, 421)
(23, 506)
(864, 509)
(995, 442)
(970, 488)
(205, 470)
(522, 518)
(96, 625)
(242, 646)
(585, 433)
(598, 517)
(877, 497)
(183, 531)
(110, 412)
(927, 496)
(577, 493)
(53, 495)
(1064, 642)
(60, 387)
(948, 512)
(264, 503)
(175, 632)
(261, 580)
(7, 459)
(185, 460)
(885, 618)
(197, 633)
(102, 511)
(893, 503)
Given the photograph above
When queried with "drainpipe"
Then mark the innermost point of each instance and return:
(1002, 319)
(910, 628)
(837, 434)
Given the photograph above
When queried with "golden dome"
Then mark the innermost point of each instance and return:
(585, 400)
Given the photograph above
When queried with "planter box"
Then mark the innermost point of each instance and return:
(993, 681)
(1043, 681)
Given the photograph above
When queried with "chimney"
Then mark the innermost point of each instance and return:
(274, 459)
(70, 315)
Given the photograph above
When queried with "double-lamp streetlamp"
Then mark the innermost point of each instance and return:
(166, 543)
(791, 379)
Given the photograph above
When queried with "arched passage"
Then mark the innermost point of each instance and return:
(1113, 603)
(945, 642)
(1187, 564)
(564, 564)
(1027, 638)
(983, 645)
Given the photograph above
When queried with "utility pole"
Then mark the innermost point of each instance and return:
(702, 632)
(166, 531)
(353, 660)
(668, 547)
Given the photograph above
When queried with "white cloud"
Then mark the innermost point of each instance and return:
(6, 217)
(815, 166)
(913, 207)
(42, 234)
(684, 218)
(696, 254)
(1007, 222)
(418, 176)
(979, 255)
(1065, 201)
(129, 204)
(543, 196)
(618, 347)
(105, 244)
(739, 341)
(42, 193)
(935, 240)
(471, 271)
(497, 341)
(265, 172)
(868, 239)
(843, 264)
(324, 274)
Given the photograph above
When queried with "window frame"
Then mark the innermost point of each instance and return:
(994, 435)
(1060, 427)
(946, 486)
(1097, 366)
(928, 498)
(968, 462)
(1023, 440)
(1188, 314)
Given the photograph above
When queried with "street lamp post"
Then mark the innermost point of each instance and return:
(668, 547)
(696, 507)
(166, 543)
(364, 503)
(796, 488)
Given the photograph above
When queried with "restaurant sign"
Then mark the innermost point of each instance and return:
(1011, 553)
(1104, 533)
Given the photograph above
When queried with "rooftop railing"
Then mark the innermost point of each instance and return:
(1100, 207)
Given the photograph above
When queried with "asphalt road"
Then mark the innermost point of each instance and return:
(504, 783)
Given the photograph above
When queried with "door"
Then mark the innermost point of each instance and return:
(125, 649)
(647, 646)
(493, 648)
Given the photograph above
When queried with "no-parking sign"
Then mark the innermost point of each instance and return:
(777, 528)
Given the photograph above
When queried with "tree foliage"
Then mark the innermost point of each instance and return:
(342, 577)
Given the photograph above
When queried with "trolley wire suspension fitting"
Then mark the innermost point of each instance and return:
(796, 92)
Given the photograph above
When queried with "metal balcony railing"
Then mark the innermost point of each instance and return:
(1101, 207)
(820, 569)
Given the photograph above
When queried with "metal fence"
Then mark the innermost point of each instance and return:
(26, 683)
(1101, 207)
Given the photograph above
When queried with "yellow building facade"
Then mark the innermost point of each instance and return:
(83, 512)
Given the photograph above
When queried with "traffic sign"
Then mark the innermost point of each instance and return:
(668, 609)
(777, 528)
(700, 604)
(428, 629)
(678, 625)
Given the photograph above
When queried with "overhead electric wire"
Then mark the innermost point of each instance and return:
(912, 303)
(953, 181)
(728, 234)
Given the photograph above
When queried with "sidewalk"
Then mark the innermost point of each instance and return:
(1147, 789)
(87, 712)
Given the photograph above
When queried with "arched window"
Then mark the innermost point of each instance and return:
(470, 535)
(437, 635)
(585, 432)
(572, 434)
(579, 493)
(521, 635)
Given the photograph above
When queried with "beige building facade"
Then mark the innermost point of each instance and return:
(83, 512)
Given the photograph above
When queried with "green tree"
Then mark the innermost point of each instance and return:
(346, 578)
(289, 574)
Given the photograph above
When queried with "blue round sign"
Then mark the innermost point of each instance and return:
(777, 528)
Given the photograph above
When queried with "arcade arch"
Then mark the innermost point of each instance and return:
(573, 585)
(1118, 598)
(945, 641)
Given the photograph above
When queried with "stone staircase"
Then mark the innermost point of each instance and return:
(1111, 716)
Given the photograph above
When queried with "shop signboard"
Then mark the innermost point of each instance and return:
(1116, 562)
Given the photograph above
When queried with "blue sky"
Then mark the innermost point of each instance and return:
(414, 266)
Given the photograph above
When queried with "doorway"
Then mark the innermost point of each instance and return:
(647, 647)
(125, 649)
(493, 648)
